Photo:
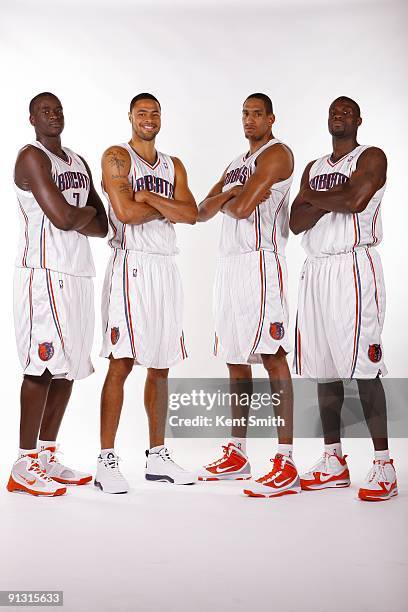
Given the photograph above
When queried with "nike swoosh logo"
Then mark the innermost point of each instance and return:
(30, 482)
(281, 483)
(223, 469)
(325, 477)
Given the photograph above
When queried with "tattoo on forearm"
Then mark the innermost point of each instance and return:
(125, 188)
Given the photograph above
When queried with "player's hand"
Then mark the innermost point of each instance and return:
(265, 196)
(235, 191)
(141, 196)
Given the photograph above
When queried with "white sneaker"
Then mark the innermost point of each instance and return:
(109, 478)
(161, 467)
(381, 482)
(233, 465)
(27, 476)
(330, 471)
(49, 462)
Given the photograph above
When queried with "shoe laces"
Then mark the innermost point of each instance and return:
(226, 451)
(37, 469)
(165, 455)
(377, 473)
(322, 465)
(279, 462)
(112, 463)
(53, 455)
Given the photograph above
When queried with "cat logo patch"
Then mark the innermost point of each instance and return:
(115, 334)
(277, 330)
(45, 351)
(374, 353)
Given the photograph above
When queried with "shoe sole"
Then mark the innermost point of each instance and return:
(225, 477)
(340, 484)
(15, 487)
(99, 486)
(293, 491)
(365, 497)
(77, 483)
(164, 478)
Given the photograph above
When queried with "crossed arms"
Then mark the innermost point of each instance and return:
(33, 173)
(275, 164)
(351, 197)
(143, 206)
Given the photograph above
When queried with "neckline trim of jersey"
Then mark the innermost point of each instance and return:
(69, 162)
(156, 163)
(332, 164)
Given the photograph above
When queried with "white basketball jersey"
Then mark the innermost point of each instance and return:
(267, 228)
(156, 236)
(42, 245)
(342, 232)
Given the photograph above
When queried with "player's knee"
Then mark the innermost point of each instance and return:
(274, 364)
(158, 372)
(120, 368)
(239, 370)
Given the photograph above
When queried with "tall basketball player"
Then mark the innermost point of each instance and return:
(342, 296)
(53, 293)
(250, 299)
(142, 298)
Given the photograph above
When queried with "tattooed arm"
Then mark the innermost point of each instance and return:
(115, 170)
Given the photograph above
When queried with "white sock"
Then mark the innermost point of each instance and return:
(334, 449)
(106, 451)
(383, 455)
(240, 443)
(156, 449)
(286, 449)
(43, 444)
(22, 452)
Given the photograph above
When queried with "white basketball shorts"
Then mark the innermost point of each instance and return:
(142, 309)
(250, 307)
(54, 322)
(340, 317)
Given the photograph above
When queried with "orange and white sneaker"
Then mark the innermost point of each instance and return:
(331, 471)
(48, 460)
(27, 476)
(283, 479)
(381, 482)
(233, 465)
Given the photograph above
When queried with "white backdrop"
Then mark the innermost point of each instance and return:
(201, 60)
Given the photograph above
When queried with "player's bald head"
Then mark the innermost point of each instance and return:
(349, 102)
(34, 102)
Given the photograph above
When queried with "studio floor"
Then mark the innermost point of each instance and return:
(208, 547)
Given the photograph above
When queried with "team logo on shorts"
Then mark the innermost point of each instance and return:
(45, 351)
(115, 334)
(374, 353)
(277, 330)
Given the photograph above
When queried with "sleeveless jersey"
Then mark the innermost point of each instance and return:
(157, 236)
(267, 228)
(342, 232)
(41, 244)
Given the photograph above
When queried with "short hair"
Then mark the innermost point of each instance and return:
(266, 100)
(350, 101)
(38, 97)
(143, 96)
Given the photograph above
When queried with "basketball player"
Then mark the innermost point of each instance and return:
(250, 300)
(342, 296)
(53, 293)
(142, 300)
